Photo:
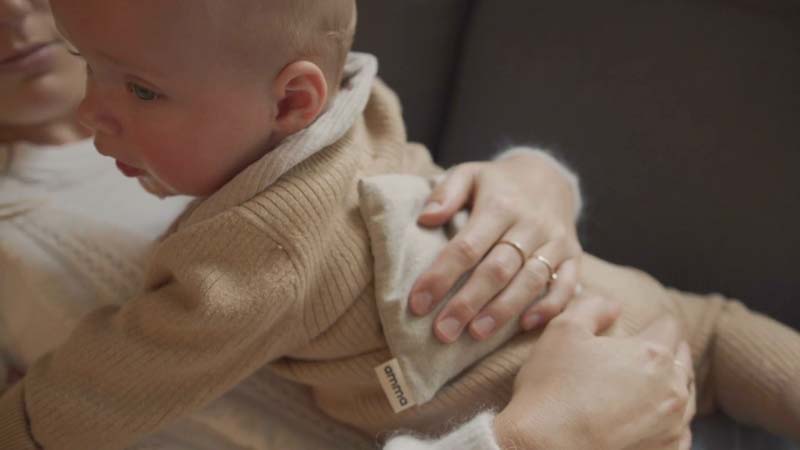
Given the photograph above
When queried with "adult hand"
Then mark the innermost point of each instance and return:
(581, 391)
(522, 207)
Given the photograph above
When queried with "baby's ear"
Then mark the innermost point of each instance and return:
(302, 93)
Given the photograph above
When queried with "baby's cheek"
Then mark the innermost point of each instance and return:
(190, 172)
(168, 163)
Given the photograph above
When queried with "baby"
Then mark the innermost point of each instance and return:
(299, 254)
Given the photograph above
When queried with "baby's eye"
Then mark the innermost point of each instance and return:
(142, 93)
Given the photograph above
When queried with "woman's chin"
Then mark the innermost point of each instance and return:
(41, 104)
(46, 97)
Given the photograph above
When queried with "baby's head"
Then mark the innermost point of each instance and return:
(190, 92)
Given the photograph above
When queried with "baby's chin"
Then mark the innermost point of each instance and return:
(155, 187)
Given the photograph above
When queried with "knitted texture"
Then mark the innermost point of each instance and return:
(284, 276)
(54, 270)
(756, 371)
(61, 259)
(73, 235)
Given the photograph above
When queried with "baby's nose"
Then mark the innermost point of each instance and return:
(92, 115)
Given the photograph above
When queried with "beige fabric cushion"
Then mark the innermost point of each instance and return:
(390, 205)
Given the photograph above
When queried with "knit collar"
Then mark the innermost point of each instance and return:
(359, 75)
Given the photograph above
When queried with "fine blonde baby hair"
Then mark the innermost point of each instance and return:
(321, 31)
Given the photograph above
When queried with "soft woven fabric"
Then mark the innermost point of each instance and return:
(389, 204)
(747, 364)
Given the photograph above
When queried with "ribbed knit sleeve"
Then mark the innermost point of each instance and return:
(221, 307)
(477, 434)
(14, 432)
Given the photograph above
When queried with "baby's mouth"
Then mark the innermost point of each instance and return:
(130, 171)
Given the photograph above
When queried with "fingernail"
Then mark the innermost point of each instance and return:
(450, 328)
(432, 208)
(531, 321)
(484, 326)
(421, 303)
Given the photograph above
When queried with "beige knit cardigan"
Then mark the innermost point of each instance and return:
(285, 278)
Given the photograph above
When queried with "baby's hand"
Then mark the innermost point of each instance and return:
(520, 239)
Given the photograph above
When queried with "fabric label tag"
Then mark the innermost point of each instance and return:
(394, 386)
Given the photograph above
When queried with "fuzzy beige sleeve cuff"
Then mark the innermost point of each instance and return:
(571, 177)
(477, 434)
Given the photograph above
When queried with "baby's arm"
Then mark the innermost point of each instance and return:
(748, 364)
(224, 308)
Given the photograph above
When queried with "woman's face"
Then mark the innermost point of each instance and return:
(39, 80)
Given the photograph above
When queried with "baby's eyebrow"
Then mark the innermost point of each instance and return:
(125, 67)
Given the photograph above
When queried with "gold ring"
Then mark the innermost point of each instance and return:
(551, 273)
(516, 247)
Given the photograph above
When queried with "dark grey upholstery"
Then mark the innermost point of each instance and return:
(418, 43)
(720, 433)
(682, 118)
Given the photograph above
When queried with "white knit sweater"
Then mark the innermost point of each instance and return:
(73, 234)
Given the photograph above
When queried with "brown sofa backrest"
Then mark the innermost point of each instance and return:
(681, 117)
